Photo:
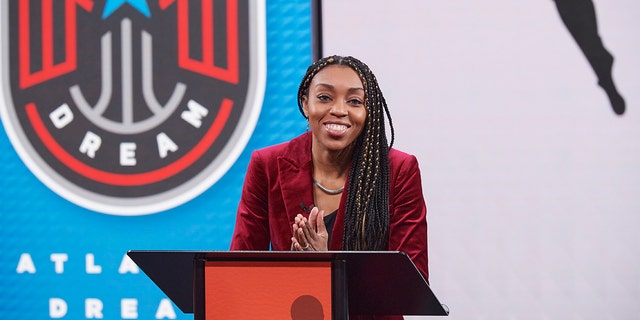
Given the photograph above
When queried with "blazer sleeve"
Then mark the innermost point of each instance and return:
(252, 220)
(408, 215)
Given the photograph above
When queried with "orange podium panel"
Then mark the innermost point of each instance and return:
(267, 290)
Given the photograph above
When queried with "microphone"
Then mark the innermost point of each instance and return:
(304, 207)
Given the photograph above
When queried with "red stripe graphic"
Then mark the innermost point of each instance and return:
(207, 66)
(49, 69)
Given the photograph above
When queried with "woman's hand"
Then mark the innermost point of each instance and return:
(311, 234)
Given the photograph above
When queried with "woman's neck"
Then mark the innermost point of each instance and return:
(331, 164)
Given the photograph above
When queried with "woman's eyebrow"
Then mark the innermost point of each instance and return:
(330, 86)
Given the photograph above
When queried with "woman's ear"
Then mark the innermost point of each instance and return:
(305, 106)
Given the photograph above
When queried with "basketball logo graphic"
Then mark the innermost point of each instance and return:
(131, 107)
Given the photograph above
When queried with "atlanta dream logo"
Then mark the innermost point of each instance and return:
(131, 107)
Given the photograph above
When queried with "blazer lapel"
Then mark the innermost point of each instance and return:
(295, 168)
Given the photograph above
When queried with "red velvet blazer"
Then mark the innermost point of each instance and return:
(279, 180)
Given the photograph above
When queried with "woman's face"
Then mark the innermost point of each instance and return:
(335, 107)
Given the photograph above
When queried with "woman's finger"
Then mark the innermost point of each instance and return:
(313, 218)
(302, 239)
(308, 232)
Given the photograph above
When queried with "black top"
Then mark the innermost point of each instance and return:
(329, 221)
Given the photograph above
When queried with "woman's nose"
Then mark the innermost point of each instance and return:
(339, 108)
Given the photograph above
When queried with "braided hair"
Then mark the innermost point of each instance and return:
(366, 225)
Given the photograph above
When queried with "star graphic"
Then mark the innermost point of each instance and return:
(112, 5)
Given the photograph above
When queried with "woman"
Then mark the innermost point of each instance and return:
(340, 186)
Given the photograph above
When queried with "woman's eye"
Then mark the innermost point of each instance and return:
(355, 102)
(323, 97)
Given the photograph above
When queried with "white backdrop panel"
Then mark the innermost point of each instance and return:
(530, 178)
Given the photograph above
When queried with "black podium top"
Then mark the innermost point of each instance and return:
(378, 282)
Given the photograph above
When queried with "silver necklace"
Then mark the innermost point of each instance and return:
(327, 190)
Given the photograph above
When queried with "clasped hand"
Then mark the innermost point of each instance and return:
(310, 234)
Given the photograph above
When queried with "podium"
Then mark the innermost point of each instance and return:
(283, 284)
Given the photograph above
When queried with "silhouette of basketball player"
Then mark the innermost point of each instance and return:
(307, 308)
(579, 16)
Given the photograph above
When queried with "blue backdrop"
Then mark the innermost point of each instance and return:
(77, 254)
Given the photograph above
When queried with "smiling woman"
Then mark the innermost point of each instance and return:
(340, 186)
(334, 107)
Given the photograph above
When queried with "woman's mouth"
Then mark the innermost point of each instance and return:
(336, 129)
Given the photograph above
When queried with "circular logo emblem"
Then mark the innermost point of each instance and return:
(131, 107)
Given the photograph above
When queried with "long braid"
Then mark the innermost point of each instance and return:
(366, 225)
